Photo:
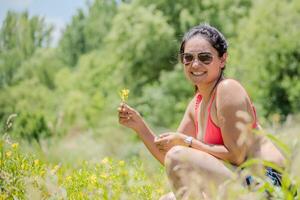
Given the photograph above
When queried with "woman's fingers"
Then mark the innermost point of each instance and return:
(124, 110)
(162, 144)
(163, 135)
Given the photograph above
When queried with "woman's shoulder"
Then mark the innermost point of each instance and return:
(231, 91)
(230, 86)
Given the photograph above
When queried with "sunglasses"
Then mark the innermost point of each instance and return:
(204, 57)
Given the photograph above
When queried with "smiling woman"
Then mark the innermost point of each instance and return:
(208, 134)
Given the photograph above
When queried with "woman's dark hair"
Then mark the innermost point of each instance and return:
(212, 35)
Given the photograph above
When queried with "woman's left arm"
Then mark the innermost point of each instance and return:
(231, 100)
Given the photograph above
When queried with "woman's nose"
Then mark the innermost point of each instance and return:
(196, 63)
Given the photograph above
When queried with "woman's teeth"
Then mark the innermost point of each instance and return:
(198, 73)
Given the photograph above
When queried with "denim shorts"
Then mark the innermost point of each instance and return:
(272, 176)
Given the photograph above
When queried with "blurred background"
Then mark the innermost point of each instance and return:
(63, 63)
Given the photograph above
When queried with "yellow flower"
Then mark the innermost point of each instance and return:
(3, 196)
(8, 154)
(104, 160)
(104, 176)
(121, 163)
(15, 145)
(159, 191)
(93, 179)
(36, 162)
(55, 169)
(124, 94)
(42, 172)
(68, 178)
(23, 166)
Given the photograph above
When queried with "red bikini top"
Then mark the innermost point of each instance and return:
(213, 133)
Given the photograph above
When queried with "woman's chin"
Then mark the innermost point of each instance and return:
(197, 80)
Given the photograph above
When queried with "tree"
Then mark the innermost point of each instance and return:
(182, 15)
(163, 103)
(20, 36)
(42, 66)
(73, 41)
(86, 30)
(267, 55)
(142, 43)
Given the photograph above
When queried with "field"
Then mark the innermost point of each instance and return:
(76, 168)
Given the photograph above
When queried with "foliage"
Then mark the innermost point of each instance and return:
(31, 126)
(86, 31)
(182, 15)
(71, 90)
(20, 36)
(142, 43)
(24, 176)
(29, 106)
(269, 56)
(43, 66)
(164, 102)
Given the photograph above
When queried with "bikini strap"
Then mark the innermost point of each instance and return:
(211, 101)
(198, 100)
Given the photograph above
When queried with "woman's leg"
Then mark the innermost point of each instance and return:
(169, 196)
(193, 173)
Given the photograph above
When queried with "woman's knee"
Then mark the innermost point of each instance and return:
(181, 154)
(173, 156)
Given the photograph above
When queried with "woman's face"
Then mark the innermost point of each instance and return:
(202, 65)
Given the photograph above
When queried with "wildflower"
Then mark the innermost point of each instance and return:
(93, 179)
(68, 178)
(103, 175)
(104, 160)
(159, 191)
(55, 169)
(15, 145)
(36, 162)
(42, 173)
(121, 163)
(8, 154)
(3, 196)
(124, 94)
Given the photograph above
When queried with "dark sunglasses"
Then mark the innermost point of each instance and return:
(204, 57)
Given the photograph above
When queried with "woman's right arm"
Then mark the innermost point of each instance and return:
(187, 124)
(132, 119)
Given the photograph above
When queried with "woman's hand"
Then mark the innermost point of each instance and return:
(166, 141)
(129, 117)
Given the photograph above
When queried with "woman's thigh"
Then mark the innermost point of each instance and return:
(197, 162)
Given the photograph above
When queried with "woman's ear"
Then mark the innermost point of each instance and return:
(223, 60)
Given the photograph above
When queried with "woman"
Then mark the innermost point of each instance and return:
(214, 127)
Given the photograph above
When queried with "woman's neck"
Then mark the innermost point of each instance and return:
(206, 90)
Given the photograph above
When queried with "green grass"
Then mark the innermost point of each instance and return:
(84, 166)
(24, 176)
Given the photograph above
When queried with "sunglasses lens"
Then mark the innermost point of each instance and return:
(187, 58)
(206, 58)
